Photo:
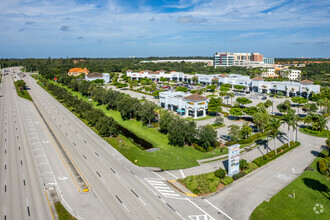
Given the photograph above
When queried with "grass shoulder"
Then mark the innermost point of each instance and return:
(62, 213)
(298, 199)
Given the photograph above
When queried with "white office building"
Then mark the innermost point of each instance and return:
(193, 105)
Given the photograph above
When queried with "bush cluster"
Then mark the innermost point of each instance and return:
(204, 183)
(249, 140)
(260, 161)
(324, 166)
(239, 175)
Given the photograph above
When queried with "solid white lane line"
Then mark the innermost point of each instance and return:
(218, 209)
(158, 175)
(142, 201)
(183, 176)
(200, 208)
(125, 207)
(171, 174)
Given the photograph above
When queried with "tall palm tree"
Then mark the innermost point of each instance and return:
(231, 95)
(275, 124)
(288, 119)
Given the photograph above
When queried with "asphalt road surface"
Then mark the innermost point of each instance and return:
(124, 190)
(22, 193)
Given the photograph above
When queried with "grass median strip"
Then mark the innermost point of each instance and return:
(62, 213)
(22, 93)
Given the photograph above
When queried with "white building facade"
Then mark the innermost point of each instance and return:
(257, 84)
(187, 104)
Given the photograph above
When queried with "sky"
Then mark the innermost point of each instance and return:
(143, 28)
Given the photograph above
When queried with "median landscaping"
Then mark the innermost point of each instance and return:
(21, 90)
(62, 213)
(211, 182)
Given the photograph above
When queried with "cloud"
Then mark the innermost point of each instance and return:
(246, 35)
(152, 19)
(65, 28)
(21, 30)
(190, 19)
(80, 38)
(176, 37)
(142, 36)
(29, 22)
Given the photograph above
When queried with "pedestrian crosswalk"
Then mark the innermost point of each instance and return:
(162, 187)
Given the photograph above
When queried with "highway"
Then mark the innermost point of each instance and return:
(125, 190)
(22, 191)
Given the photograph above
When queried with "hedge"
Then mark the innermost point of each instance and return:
(239, 175)
(227, 180)
(249, 140)
(260, 161)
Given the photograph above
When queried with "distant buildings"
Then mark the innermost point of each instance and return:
(95, 76)
(193, 105)
(78, 71)
(208, 62)
(225, 59)
(258, 84)
(291, 74)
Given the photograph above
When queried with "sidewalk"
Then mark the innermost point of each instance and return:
(258, 151)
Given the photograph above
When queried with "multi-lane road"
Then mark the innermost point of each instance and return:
(45, 147)
(22, 193)
(124, 190)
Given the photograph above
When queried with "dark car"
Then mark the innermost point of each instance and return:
(225, 137)
(263, 98)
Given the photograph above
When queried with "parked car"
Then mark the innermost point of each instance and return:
(225, 137)
(264, 98)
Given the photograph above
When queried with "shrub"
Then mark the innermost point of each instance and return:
(227, 180)
(243, 164)
(324, 166)
(239, 175)
(220, 173)
(252, 167)
(279, 149)
(265, 157)
(271, 154)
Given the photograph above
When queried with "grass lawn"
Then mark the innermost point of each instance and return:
(62, 213)
(323, 133)
(23, 93)
(168, 157)
(200, 119)
(310, 188)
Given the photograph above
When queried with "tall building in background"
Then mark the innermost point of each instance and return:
(240, 59)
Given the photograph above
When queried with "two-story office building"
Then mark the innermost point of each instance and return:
(193, 105)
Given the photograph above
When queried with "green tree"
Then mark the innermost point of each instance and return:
(285, 106)
(243, 100)
(235, 112)
(231, 96)
(207, 137)
(275, 124)
(246, 130)
(317, 122)
(234, 132)
(289, 120)
(213, 106)
(176, 132)
(107, 126)
(299, 101)
(147, 112)
(219, 121)
(166, 119)
(20, 84)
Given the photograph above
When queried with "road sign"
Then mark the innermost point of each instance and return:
(233, 159)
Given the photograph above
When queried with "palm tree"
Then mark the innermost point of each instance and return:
(275, 124)
(231, 95)
(292, 90)
(288, 119)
